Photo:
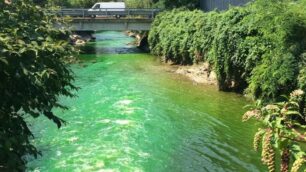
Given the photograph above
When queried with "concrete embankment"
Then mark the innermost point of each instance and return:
(141, 39)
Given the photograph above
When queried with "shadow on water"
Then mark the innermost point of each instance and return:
(110, 50)
(110, 43)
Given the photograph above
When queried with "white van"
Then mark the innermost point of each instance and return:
(113, 6)
(108, 6)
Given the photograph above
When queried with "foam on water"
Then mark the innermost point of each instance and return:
(123, 122)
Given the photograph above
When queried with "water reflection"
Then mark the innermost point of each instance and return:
(110, 42)
(109, 50)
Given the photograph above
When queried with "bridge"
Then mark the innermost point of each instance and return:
(109, 19)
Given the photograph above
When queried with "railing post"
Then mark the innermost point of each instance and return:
(83, 13)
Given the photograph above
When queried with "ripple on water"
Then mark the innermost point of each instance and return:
(131, 117)
(124, 107)
(123, 122)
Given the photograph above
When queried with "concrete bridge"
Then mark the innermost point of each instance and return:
(109, 19)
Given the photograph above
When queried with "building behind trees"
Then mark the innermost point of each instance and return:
(209, 5)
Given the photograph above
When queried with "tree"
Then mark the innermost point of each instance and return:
(33, 72)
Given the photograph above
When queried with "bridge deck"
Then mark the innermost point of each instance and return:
(110, 19)
(89, 24)
(108, 12)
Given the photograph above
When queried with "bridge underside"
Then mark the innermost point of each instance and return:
(110, 24)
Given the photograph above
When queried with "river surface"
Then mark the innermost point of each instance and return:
(132, 115)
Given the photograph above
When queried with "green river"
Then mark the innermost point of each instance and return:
(133, 115)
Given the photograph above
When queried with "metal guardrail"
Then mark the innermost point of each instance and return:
(108, 12)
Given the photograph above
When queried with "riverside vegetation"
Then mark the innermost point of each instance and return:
(33, 72)
(259, 49)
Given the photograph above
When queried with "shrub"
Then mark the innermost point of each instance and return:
(258, 48)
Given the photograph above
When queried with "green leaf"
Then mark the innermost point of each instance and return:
(25, 71)
(22, 50)
(3, 60)
(20, 41)
(293, 113)
(279, 123)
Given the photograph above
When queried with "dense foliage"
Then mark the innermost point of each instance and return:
(281, 130)
(33, 72)
(259, 48)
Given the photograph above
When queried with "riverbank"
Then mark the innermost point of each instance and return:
(81, 37)
(199, 73)
(264, 66)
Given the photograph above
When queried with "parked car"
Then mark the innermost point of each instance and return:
(116, 9)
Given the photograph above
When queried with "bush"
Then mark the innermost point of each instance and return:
(176, 35)
(257, 49)
(281, 33)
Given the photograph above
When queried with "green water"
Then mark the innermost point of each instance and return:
(133, 115)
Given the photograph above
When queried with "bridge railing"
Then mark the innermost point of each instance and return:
(108, 12)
